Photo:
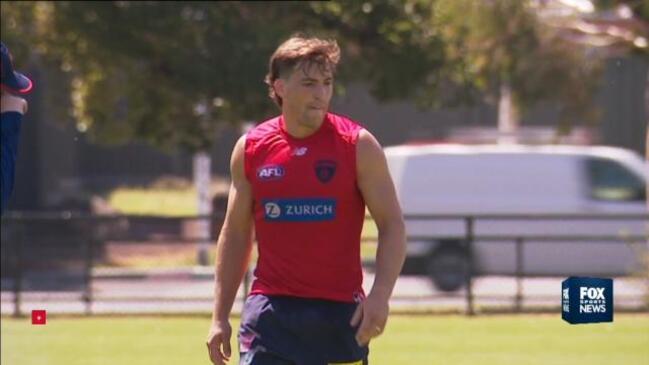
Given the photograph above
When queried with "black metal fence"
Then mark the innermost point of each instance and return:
(53, 252)
(639, 239)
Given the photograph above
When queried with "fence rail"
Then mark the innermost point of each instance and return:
(26, 235)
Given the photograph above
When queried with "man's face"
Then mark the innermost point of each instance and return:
(306, 94)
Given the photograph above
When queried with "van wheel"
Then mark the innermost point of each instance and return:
(448, 269)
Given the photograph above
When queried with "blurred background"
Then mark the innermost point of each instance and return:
(124, 156)
(129, 92)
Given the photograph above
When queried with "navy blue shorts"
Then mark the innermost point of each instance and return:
(279, 330)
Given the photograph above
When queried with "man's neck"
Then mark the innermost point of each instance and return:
(297, 129)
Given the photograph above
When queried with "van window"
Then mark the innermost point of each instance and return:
(611, 181)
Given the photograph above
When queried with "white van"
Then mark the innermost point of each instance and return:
(521, 180)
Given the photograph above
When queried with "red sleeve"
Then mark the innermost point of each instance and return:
(247, 157)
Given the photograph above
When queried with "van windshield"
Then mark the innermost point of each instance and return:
(609, 180)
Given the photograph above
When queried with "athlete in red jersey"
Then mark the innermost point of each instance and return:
(304, 179)
(304, 186)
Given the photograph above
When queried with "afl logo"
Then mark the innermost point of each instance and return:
(270, 172)
(272, 210)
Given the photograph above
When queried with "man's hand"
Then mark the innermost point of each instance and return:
(11, 103)
(372, 313)
(218, 342)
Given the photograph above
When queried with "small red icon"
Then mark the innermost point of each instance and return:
(39, 316)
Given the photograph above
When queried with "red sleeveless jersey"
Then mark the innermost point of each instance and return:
(308, 211)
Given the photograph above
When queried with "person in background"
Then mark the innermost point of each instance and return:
(14, 107)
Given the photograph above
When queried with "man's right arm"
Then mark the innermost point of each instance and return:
(12, 111)
(233, 254)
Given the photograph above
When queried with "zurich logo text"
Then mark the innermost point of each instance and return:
(299, 210)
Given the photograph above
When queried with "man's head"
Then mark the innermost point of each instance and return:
(300, 77)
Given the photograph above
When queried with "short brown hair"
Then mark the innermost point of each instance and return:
(298, 52)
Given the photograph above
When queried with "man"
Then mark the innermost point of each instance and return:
(13, 109)
(304, 178)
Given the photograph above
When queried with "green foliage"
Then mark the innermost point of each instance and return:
(169, 72)
(488, 43)
(388, 44)
(452, 52)
(166, 73)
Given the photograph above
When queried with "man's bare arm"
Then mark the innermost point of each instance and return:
(233, 254)
(376, 185)
(235, 240)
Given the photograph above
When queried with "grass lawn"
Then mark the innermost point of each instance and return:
(457, 340)
(160, 202)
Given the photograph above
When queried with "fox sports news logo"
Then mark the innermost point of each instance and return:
(592, 300)
(587, 300)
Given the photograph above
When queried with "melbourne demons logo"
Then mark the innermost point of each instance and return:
(325, 170)
(270, 172)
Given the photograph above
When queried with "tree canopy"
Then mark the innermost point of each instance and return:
(169, 73)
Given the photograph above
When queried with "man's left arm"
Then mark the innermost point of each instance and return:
(377, 188)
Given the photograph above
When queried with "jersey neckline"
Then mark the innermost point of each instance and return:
(325, 124)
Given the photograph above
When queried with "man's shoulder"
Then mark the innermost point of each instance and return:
(263, 129)
(345, 126)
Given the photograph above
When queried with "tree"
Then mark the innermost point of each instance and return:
(164, 73)
(168, 73)
(500, 48)
(386, 44)
(450, 52)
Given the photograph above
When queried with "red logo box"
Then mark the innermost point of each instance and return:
(39, 317)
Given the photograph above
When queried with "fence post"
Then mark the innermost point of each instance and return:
(469, 277)
(519, 275)
(18, 274)
(87, 293)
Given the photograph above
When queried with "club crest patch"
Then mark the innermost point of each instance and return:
(325, 170)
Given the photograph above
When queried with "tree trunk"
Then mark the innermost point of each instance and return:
(508, 118)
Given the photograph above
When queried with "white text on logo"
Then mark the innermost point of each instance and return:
(591, 300)
(309, 209)
(270, 172)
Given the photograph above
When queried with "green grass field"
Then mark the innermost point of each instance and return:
(454, 340)
(161, 202)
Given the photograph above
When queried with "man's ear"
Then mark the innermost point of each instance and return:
(278, 85)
